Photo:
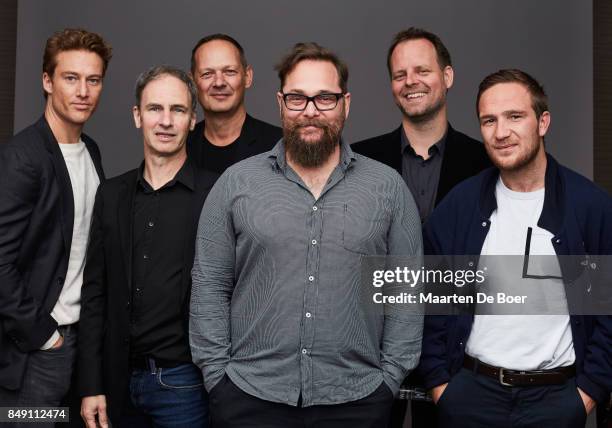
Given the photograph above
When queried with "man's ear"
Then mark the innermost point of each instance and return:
(249, 76)
(543, 124)
(347, 104)
(47, 83)
(137, 118)
(449, 75)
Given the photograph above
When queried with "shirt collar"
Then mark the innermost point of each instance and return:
(185, 176)
(437, 147)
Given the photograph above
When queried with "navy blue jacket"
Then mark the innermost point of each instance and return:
(576, 212)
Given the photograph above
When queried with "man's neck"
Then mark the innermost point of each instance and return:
(159, 170)
(64, 132)
(529, 178)
(316, 178)
(423, 135)
(222, 129)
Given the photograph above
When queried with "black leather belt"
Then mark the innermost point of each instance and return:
(148, 363)
(556, 376)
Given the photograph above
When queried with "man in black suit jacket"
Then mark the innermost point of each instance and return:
(228, 134)
(49, 174)
(431, 156)
(135, 362)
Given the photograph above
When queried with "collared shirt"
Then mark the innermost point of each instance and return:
(158, 322)
(277, 303)
(422, 175)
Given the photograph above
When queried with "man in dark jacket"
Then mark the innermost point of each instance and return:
(48, 179)
(538, 370)
(431, 156)
(134, 362)
(227, 134)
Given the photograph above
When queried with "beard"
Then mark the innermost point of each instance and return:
(519, 162)
(311, 153)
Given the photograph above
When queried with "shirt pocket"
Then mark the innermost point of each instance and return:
(365, 229)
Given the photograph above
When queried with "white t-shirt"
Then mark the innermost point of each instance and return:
(84, 180)
(521, 342)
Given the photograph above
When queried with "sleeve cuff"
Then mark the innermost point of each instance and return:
(49, 343)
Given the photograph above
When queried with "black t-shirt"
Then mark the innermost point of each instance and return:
(255, 137)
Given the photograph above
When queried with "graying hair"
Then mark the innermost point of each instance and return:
(158, 71)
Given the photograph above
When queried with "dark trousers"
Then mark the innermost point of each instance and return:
(232, 408)
(166, 397)
(473, 400)
(47, 377)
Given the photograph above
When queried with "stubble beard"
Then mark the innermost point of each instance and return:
(523, 160)
(428, 114)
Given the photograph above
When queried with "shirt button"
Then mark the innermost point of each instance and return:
(304, 351)
(311, 278)
(314, 242)
(484, 224)
(308, 314)
(422, 192)
(558, 241)
(145, 257)
(315, 208)
(151, 224)
(138, 289)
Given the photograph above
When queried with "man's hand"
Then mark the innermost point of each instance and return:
(92, 406)
(589, 403)
(437, 391)
(58, 343)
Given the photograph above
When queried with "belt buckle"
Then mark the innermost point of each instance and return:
(501, 378)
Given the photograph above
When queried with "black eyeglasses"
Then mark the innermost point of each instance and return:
(322, 102)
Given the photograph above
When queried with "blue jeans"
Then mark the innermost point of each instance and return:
(167, 397)
(47, 378)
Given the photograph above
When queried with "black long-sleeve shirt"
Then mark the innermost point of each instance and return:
(158, 321)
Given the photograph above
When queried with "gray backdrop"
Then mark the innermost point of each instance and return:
(552, 39)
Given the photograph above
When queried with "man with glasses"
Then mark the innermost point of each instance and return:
(547, 369)
(431, 156)
(227, 134)
(279, 324)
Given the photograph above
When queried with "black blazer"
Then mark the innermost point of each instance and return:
(463, 156)
(36, 221)
(255, 137)
(104, 330)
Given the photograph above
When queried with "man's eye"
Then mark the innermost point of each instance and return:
(295, 99)
(94, 82)
(71, 78)
(230, 72)
(515, 117)
(206, 74)
(326, 98)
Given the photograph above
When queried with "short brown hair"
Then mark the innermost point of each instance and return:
(413, 33)
(71, 39)
(539, 99)
(315, 52)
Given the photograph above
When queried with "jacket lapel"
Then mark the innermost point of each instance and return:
(94, 153)
(63, 180)
(126, 223)
(448, 170)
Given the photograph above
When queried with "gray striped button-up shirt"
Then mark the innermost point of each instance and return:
(277, 303)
